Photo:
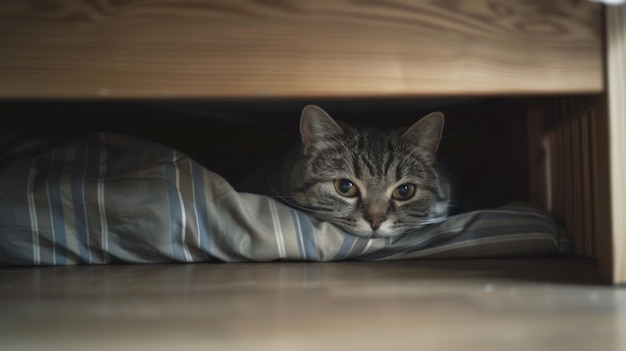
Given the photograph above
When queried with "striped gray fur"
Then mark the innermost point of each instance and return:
(376, 162)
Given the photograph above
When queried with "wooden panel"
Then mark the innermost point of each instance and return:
(323, 48)
(572, 156)
(615, 246)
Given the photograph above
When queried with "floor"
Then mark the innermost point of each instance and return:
(420, 305)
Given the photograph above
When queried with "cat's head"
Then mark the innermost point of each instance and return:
(370, 183)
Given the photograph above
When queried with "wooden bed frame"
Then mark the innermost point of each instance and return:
(572, 52)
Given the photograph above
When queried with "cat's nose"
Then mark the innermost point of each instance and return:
(375, 220)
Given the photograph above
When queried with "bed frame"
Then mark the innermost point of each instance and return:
(571, 54)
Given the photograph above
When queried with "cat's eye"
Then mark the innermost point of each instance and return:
(404, 192)
(346, 188)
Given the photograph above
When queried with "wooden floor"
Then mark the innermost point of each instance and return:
(419, 305)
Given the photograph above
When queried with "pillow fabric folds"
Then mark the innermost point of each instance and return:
(109, 198)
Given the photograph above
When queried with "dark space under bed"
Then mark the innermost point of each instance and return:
(89, 182)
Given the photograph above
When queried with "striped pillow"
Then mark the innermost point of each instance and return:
(110, 198)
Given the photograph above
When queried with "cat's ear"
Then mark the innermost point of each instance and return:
(318, 128)
(425, 134)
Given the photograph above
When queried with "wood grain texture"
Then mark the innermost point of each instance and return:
(291, 48)
(469, 305)
(572, 145)
(616, 79)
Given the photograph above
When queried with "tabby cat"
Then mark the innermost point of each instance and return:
(370, 183)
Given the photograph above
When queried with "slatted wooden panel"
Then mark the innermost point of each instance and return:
(573, 183)
(287, 48)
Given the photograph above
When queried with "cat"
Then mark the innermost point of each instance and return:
(370, 183)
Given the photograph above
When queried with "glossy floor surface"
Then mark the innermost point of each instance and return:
(418, 305)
